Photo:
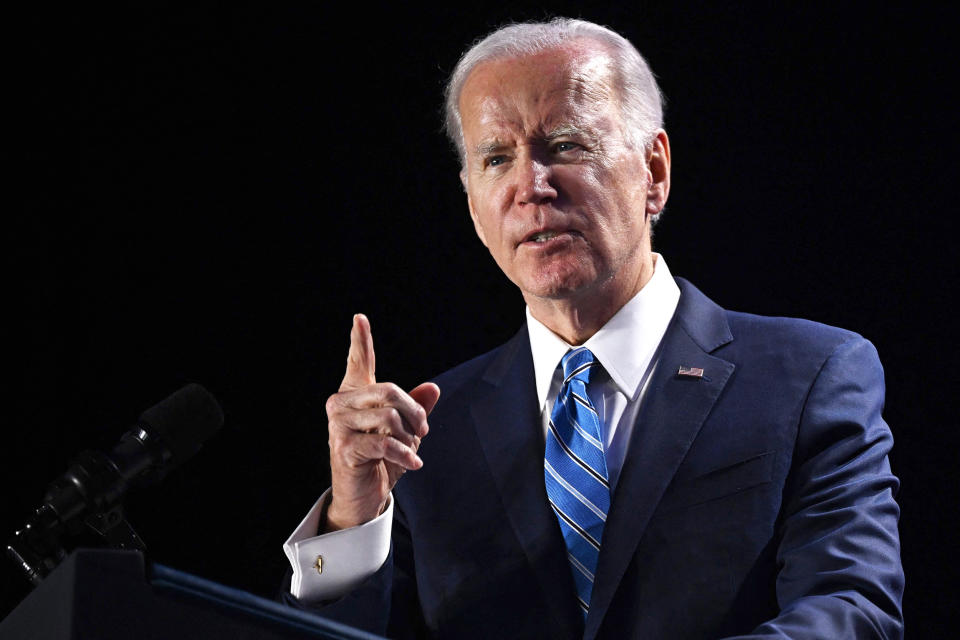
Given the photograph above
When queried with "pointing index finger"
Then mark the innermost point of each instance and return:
(361, 362)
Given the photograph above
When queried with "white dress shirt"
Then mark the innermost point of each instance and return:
(626, 346)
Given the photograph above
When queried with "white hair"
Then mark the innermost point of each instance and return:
(641, 103)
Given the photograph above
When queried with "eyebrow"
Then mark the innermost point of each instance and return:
(490, 146)
(565, 130)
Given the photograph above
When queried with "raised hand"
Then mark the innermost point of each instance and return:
(375, 431)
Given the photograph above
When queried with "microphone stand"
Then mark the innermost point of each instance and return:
(88, 497)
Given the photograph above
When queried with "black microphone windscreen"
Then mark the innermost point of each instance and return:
(184, 421)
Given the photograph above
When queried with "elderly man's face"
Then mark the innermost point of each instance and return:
(556, 192)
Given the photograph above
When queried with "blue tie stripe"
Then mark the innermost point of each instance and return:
(583, 366)
(586, 436)
(582, 554)
(580, 509)
(573, 363)
(580, 569)
(575, 471)
(571, 465)
(579, 540)
(581, 447)
(583, 583)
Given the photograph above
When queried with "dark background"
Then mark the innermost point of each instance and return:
(208, 194)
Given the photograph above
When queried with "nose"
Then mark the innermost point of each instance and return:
(533, 182)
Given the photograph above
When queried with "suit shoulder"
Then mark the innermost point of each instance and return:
(792, 346)
(788, 333)
(750, 335)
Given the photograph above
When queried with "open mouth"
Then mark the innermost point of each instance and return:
(543, 237)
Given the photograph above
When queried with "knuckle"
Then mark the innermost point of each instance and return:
(380, 445)
(332, 404)
(335, 431)
(392, 392)
(393, 447)
(337, 445)
(393, 419)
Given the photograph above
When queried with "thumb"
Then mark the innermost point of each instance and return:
(426, 395)
(360, 361)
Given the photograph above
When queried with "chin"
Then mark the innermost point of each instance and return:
(557, 287)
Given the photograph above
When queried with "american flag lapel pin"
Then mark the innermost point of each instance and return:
(690, 372)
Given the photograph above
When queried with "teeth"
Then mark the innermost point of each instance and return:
(543, 236)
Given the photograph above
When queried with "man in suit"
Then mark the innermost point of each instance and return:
(742, 486)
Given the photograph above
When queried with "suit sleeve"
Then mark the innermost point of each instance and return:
(840, 574)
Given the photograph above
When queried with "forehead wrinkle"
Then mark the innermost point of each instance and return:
(586, 87)
(511, 116)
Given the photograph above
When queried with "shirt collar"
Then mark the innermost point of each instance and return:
(625, 345)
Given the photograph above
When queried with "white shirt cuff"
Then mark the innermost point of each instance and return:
(346, 557)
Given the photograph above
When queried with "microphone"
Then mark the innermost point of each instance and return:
(89, 494)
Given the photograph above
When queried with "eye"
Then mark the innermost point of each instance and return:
(496, 161)
(566, 146)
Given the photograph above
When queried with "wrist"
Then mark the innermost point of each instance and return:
(332, 518)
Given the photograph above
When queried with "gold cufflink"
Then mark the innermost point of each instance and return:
(318, 565)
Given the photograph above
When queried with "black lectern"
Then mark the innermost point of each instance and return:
(113, 595)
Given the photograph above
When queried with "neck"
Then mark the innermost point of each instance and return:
(576, 317)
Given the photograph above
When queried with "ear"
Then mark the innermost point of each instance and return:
(658, 163)
(473, 213)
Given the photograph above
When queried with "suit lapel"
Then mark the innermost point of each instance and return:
(673, 411)
(507, 421)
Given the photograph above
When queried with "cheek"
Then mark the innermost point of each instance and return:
(582, 186)
(595, 194)
(625, 196)
(489, 223)
(497, 216)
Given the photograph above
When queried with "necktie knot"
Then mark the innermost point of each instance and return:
(577, 365)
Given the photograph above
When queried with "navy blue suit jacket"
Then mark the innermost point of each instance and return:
(755, 501)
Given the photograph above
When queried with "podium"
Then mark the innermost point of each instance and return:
(100, 594)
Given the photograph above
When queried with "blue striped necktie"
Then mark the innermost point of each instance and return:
(575, 471)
